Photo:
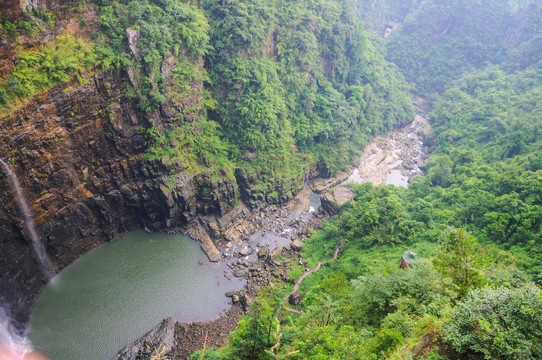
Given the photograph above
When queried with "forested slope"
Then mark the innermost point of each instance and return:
(438, 41)
(285, 85)
(474, 218)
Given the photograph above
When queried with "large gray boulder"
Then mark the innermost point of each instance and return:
(161, 338)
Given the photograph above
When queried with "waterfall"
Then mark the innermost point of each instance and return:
(12, 344)
(28, 221)
(306, 177)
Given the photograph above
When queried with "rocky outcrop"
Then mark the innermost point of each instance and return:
(333, 201)
(255, 193)
(12, 9)
(159, 340)
(179, 340)
(198, 233)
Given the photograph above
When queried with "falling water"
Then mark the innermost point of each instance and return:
(306, 177)
(28, 221)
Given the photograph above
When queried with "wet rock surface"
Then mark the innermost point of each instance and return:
(397, 156)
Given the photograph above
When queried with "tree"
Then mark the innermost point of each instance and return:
(501, 323)
(459, 259)
(440, 170)
(249, 340)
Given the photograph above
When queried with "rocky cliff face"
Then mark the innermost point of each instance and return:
(78, 158)
(78, 153)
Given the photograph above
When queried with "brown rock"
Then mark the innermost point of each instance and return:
(274, 253)
(263, 252)
(334, 200)
(133, 37)
(296, 245)
(162, 335)
(207, 245)
(294, 298)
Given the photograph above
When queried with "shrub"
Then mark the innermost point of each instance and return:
(37, 70)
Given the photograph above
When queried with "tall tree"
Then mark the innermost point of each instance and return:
(458, 258)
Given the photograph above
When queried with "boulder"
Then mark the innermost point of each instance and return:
(296, 245)
(198, 233)
(240, 272)
(294, 298)
(275, 253)
(263, 252)
(133, 37)
(162, 336)
(334, 200)
(246, 300)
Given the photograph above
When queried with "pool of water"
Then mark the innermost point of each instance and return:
(120, 290)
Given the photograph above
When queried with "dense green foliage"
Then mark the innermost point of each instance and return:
(169, 35)
(499, 323)
(460, 260)
(40, 69)
(300, 73)
(475, 222)
(295, 83)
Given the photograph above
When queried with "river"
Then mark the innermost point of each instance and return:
(120, 290)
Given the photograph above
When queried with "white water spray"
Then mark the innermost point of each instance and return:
(12, 345)
(28, 221)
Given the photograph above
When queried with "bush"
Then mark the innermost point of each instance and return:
(37, 70)
(210, 354)
(501, 323)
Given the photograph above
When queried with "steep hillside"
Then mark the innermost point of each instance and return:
(435, 42)
(118, 114)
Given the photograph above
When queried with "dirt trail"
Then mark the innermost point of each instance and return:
(307, 273)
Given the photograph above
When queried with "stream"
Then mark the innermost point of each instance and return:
(120, 290)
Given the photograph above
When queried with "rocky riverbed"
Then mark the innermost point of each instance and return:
(394, 157)
(249, 242)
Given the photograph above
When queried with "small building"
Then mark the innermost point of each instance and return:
(407, 259)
